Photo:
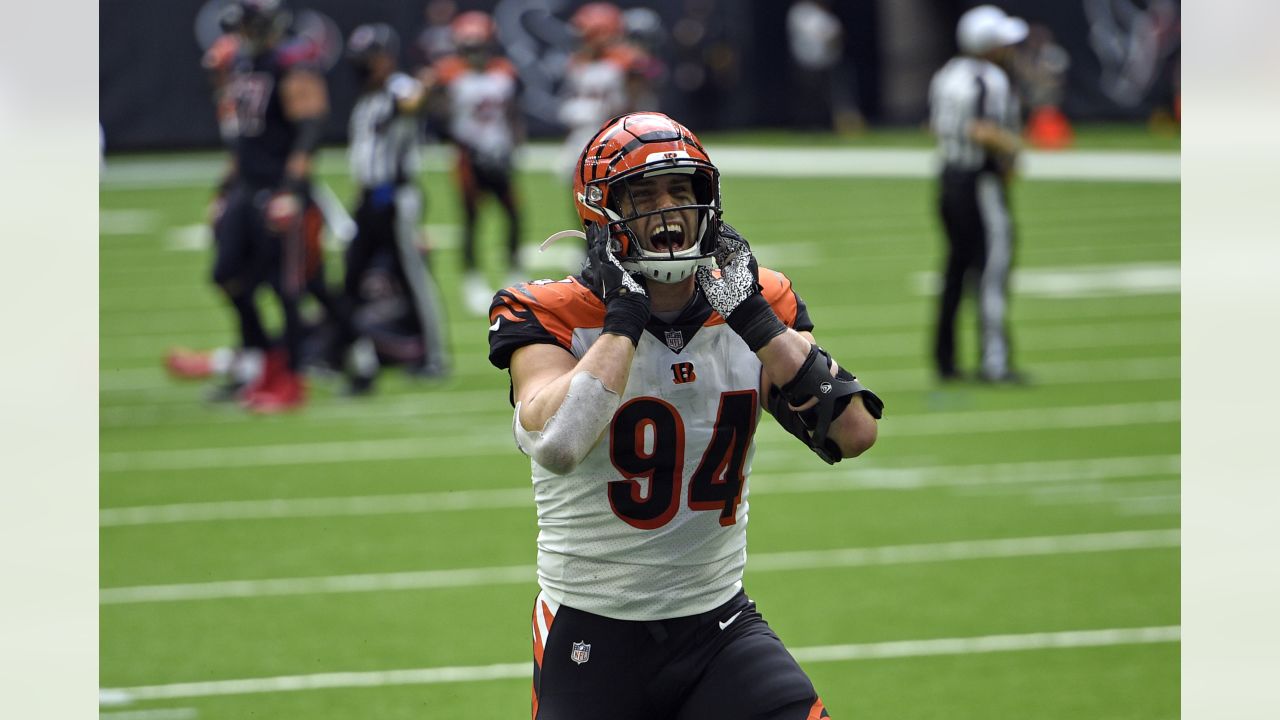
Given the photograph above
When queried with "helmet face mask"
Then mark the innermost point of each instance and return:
(630, 176)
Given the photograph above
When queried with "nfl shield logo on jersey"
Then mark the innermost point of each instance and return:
(581, 652)
(675, 340)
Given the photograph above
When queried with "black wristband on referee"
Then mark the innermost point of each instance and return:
(756, 322)
(627, 315)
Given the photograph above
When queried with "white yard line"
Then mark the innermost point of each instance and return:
(485, 407)
(990, 643)
(1076, 281)
(932, 647)
(761, 562)
(988, 421)
(968, 476)
(473, 444)
(131, 221)
(1151, 505)
(158, 714)
(1000, 475)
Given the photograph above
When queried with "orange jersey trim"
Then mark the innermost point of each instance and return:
(450, 68)
(501, 66)
(560, 307)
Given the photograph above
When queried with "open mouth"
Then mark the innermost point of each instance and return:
(667, 237)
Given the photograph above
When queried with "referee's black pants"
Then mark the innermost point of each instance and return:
(387, 220)
(975, 213)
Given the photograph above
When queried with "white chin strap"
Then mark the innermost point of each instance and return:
(663, 268)
(669, 267)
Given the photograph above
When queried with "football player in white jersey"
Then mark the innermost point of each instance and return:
(604, 78)
(637, 387)
(480, 90)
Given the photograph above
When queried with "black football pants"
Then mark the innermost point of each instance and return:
(724, 664)
(975, 214)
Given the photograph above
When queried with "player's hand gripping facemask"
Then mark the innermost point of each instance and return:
(734, 290)
(625, 299)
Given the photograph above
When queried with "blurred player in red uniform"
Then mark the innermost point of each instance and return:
(479, 91)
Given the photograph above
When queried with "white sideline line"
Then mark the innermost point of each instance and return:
(767, 562)
(523, 670)
(769, 483)
(735, 160)
(984, 421)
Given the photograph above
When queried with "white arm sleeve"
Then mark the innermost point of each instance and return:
(575, 427)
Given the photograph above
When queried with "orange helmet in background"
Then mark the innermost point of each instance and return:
(472, 28)
(598, 21)
(639, 145)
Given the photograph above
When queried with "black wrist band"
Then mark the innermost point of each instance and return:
(756, 322)
(627, 315)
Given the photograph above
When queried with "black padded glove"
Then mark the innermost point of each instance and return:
(625, 299)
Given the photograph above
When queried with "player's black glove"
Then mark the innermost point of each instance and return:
(625, 299)
(734, 291)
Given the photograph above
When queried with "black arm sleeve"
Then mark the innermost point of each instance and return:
(834, 396)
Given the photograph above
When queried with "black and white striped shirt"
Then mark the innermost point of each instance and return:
(384, 143)
(966, 89)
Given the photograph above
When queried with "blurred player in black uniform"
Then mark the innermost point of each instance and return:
(385, 160)
(268, 230)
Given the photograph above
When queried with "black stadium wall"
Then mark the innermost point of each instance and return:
(153, 94)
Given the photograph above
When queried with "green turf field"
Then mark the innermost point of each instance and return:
(1000, 553)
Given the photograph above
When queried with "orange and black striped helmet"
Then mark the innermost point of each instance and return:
(638, 145)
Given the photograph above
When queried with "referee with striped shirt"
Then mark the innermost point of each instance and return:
(384, 157)
(975, 116)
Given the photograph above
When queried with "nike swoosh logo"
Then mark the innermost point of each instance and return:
(729, 622)
(495, 324)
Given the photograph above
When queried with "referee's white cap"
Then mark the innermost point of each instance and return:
(987, 27)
